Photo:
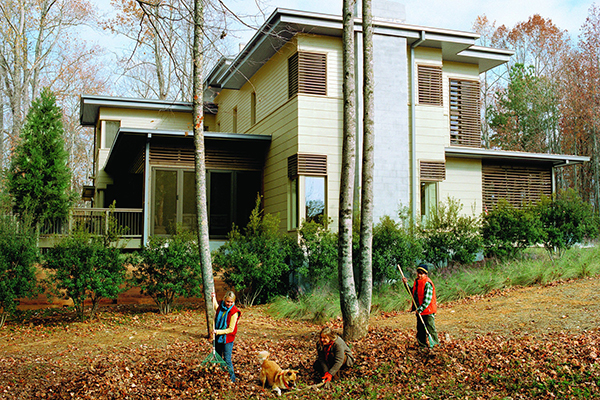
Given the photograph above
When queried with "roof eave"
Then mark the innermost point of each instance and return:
(557, 160)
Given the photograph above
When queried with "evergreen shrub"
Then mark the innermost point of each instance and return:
(508, 230)
(450, 237)
(257, 263)
(393, 245)
(169, 268)
(18, 255)
(81, 268)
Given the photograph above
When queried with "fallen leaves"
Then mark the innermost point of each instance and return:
(57, 358)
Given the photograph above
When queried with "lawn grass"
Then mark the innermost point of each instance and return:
(534, 267)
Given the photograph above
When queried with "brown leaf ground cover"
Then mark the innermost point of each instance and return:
(524, 343)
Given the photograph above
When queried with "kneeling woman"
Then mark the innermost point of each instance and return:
(333, 355)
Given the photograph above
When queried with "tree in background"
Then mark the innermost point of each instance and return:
(39, 46)
(580, 124)
(159, 64)
(526, 114)
(39, 178)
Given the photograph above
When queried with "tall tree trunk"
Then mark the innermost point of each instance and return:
(348, 299)
(200, 166)
(368, 161)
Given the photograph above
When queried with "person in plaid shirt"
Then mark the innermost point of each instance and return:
(423, 292)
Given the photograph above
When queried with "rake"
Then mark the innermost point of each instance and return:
(214, 357)
(432, 342)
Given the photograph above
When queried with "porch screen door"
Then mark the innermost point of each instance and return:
(174, 201)
(165, 202)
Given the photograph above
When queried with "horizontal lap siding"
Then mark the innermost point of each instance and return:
(463, 183)
(144, 119)
(320, 117)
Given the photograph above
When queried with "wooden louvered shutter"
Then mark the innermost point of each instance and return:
(464, 113)
(430, 85)
(293, 75)
(519, 184)
(433, 171)
(307, 164)
(307, 74)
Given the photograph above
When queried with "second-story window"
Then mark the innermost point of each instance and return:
(429, 85)
(307, 73)
(464, 113)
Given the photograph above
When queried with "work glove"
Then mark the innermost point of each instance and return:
(327, 377)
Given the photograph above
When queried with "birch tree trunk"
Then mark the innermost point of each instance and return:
(348, 298)
(368, 161)
(200, 166)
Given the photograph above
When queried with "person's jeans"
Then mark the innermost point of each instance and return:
(225, 350)
(422, 334)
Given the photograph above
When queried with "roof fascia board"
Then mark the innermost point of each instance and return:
(208, 135)
(555, 159)
(90, 105)
(309, 22)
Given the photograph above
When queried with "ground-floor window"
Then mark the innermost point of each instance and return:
(428, 199)
(307, 194)
(306, 200)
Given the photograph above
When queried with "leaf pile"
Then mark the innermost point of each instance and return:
(554, 365)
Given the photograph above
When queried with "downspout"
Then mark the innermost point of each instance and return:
(413, 130)
(146, 201)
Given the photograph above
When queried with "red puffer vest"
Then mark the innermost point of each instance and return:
(420, 287)
(234, 310)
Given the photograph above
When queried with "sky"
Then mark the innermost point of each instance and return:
(449, 14)
(456, 14)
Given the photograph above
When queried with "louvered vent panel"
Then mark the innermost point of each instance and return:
(433, 171)
(519, 184)
(430, 85)
(215, 158)
(293, 75)
(138, 165)
(307, 164)
(307, 73)
(464, 113)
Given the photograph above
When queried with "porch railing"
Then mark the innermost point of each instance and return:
(96, 221)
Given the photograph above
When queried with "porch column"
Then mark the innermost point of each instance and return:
(146, 200)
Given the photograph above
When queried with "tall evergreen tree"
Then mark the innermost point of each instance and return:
(39, 178)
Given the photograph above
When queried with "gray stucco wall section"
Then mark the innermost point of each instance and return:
(392, 172)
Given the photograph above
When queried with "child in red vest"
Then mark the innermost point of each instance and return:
(423, 292)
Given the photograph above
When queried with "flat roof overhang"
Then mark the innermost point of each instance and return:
(90, 106)
(129, 142)
(283, 24)
(556, 160)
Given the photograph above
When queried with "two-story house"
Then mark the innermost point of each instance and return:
(273, 126)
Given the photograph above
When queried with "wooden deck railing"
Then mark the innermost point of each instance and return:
(96, 222)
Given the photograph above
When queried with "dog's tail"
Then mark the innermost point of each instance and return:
(263, 355)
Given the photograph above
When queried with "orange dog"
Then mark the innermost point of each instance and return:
(276, 377)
